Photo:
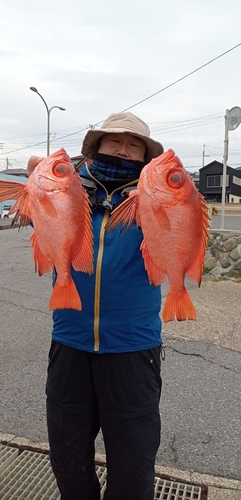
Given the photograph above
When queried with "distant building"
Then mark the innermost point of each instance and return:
(195, 178)
(211, 181)
(19, 172)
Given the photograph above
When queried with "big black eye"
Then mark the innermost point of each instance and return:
(60, 170)
(175, 179)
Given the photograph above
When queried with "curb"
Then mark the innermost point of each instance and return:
(217, 486)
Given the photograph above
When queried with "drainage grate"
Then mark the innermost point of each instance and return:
(171, 490)
(102, 476)
(29, 476)
(7, 455)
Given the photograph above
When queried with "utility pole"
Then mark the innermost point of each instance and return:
(232, 121)
(204, 156)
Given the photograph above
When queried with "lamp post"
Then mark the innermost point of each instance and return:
(48, 116)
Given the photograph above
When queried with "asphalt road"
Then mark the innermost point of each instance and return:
(231, 222)
(201, 399)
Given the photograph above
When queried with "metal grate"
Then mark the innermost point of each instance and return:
(29, 476)
(7, 455)
(171, 490)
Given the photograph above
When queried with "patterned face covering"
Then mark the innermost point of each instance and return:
(107, 168)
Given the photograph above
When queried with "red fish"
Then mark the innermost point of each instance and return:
(58, 205)
(174, 220)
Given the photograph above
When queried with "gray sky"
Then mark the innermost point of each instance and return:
(96, 57)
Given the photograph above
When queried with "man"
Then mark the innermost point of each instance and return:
(104, 361)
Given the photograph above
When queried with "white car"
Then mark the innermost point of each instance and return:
(5, 212)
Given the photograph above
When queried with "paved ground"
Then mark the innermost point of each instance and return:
(230, 222)
(201, 399)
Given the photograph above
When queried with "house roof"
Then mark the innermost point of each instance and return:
(214, 162)
(15, 171)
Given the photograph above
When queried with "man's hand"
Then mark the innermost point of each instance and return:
(32, 163)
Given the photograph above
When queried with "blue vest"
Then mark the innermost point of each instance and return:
(121, 309)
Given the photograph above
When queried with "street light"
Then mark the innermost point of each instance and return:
(48, 116)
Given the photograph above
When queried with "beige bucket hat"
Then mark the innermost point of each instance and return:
(119, 123)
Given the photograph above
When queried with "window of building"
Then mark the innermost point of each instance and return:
(237, 180)
(216, 180)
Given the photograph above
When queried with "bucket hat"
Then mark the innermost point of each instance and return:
(119, 123)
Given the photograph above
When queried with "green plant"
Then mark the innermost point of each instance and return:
(215, 235)
(206, 270)
(222, 278)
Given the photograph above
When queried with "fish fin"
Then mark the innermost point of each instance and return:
(83, 260)
(65, 297)
(155, 275)
(16, 191)
(179, 307)
(162, 218)
(125, 213)
(42, 265)
(195, 271)
(11, 190)
(48, 206)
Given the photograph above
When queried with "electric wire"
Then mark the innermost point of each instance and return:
(135, 104)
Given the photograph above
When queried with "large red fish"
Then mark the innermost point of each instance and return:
(174, 220)
(57, 204)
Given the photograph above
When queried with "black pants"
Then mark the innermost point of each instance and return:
(118, 393)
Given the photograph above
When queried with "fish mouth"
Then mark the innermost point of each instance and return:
(43, 180)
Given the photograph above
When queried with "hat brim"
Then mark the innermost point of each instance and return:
(90, 143)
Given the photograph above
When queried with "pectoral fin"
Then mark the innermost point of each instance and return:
(162, 218)
(48, 206)
(125, 213)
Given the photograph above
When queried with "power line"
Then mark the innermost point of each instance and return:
(133, 105)
(182, 78)
(163, 127)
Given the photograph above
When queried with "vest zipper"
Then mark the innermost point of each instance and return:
(99, 262)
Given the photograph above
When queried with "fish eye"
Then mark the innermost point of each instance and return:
(60, 170)
(175, 179)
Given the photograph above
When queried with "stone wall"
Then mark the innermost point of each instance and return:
(223, 254)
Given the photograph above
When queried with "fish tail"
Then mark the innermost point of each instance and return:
(65, 296)
(179, 307)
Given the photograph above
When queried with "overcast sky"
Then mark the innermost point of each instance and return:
(96, 57)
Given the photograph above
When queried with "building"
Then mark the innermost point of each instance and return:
(211, 180)
(19, 172)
